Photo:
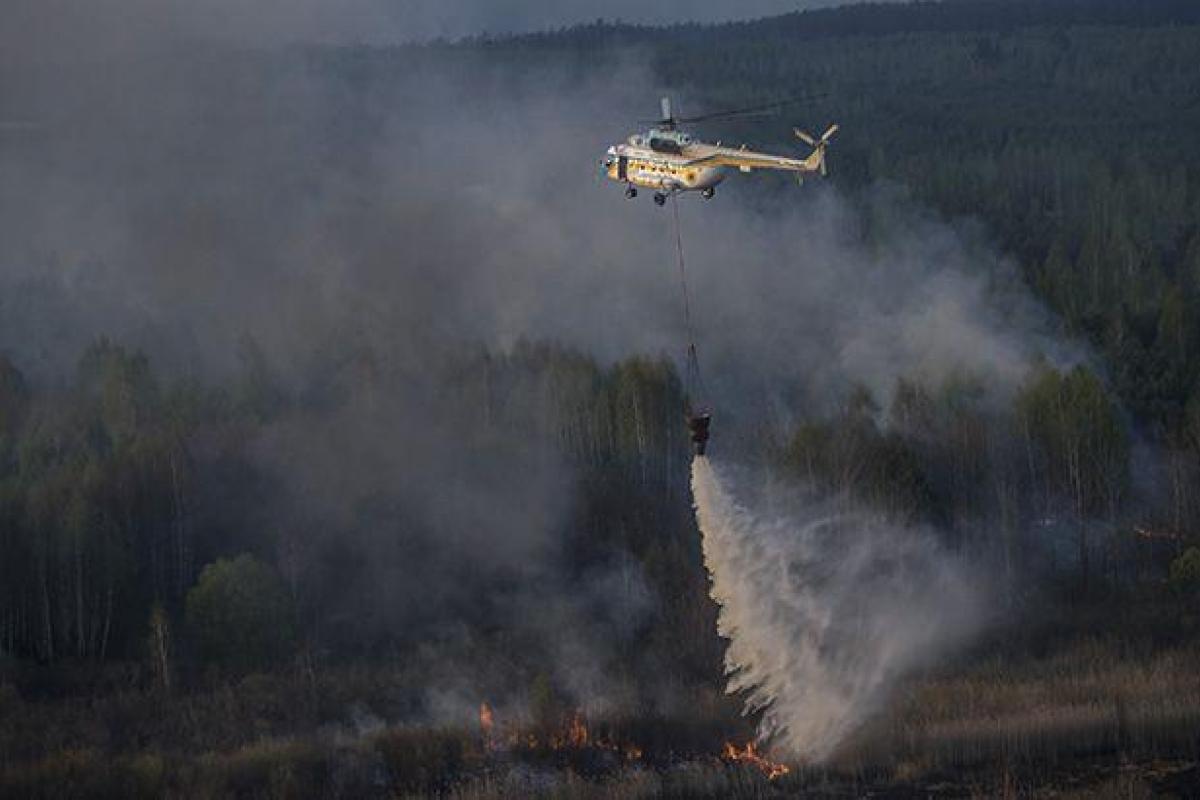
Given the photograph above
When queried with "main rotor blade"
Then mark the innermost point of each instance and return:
(738, 112)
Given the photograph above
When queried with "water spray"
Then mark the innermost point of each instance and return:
(824, 611)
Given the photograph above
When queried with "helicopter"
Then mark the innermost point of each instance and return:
(669, 161)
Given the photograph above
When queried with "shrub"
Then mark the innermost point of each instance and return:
(240, 615)
(1185, 571)
(423, 760)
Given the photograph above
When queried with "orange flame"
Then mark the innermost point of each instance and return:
(572, 735)
(750, 755)
(577, 732)
(486, 723)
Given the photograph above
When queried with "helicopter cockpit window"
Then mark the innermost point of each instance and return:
(664, 145)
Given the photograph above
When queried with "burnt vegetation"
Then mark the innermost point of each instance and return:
(180, 617)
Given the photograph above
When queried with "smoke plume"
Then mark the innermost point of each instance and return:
(355, 218)
(824, 611)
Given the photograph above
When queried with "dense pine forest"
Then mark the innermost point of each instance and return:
(209, 577)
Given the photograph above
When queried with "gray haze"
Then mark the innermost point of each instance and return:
(189, 198)
(181, 203)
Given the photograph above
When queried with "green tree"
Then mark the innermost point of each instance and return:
(546, 705)
(1185, 571)
(158, 645)
(258, 394)
(14, 397)
(238, 613)
(121, 388)
(1078, 445)
(14, 406)
(850, 454)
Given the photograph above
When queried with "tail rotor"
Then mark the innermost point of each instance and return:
(818, 145)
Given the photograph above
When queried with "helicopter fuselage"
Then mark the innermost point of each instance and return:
(670, 161)
(661, 172)
(659, 160)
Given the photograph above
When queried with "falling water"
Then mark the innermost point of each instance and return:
(823, 611)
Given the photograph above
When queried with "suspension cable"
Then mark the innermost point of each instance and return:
(693, 379)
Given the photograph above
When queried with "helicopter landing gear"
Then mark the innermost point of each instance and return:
(707, 193)
(660, 199)
(631, 191)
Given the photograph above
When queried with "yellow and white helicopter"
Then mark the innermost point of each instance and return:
(668, 160)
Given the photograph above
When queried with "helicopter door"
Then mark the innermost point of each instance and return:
(622, 167)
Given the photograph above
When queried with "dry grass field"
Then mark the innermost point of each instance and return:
(1085, 721)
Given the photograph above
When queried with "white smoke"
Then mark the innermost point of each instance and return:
(824, 612)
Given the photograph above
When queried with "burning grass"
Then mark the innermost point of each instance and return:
(1090, 720)
(751, 755)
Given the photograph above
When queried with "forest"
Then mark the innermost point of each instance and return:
(232, 582)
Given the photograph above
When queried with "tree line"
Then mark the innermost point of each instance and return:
(140, 521)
